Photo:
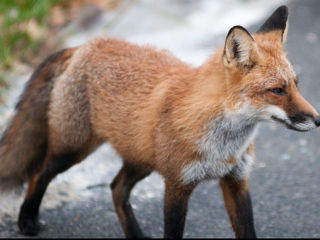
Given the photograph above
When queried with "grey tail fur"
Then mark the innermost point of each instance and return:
(23, 145)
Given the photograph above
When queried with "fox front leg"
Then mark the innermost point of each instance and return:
(238, 204)
(175, 209)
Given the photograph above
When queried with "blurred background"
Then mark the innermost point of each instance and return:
(286, 176)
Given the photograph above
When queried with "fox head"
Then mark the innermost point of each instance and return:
(258, 70)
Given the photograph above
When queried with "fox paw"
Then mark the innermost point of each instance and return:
(29, 226)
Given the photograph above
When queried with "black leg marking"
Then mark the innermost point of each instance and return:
(121, 187)
(238, 204)
(175, 209)
(29, 211)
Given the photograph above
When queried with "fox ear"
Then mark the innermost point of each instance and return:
(238, 48)
(278, 21)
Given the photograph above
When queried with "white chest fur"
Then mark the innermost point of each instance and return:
(227, 138)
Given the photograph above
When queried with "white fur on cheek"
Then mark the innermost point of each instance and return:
(274, 111)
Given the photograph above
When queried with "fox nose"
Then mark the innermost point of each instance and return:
(317, 121)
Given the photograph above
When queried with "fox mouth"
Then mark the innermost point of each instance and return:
(289, 125)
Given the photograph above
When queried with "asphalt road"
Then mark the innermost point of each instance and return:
(284, 182)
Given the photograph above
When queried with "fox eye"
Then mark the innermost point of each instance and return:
(278, 91)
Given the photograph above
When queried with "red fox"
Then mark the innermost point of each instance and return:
(160, 114)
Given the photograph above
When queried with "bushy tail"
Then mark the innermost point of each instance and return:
(24, 143)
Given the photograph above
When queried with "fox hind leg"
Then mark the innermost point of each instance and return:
(121, 187)
(29, 211)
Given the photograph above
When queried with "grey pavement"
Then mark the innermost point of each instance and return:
(284, 182)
